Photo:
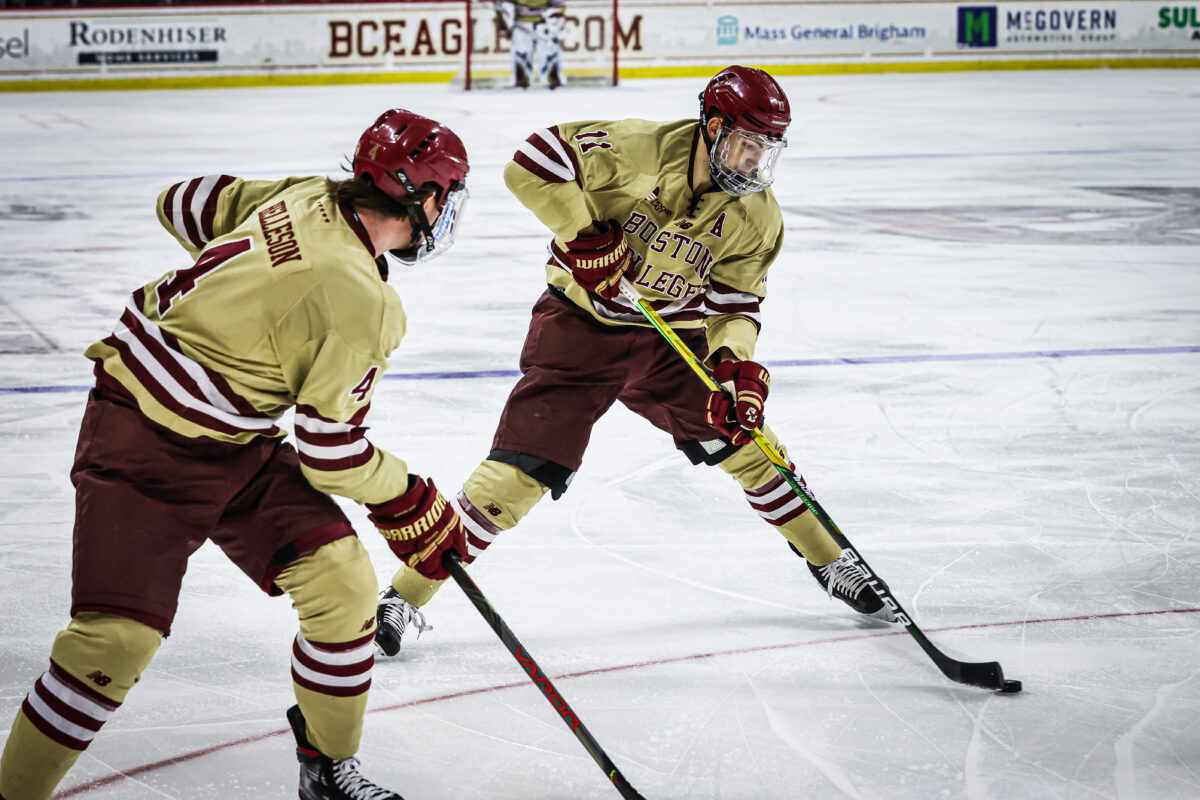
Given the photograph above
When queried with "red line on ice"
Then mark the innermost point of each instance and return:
(179, 759)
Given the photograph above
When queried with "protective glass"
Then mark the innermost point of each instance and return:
(742, 162)
(440, 237)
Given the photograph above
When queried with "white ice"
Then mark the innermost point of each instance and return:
(1038, 505)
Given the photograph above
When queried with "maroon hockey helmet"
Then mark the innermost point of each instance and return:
(754, 115)
(403, 151)
(748, 98)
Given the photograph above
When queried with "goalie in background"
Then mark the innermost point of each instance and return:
(536, 28)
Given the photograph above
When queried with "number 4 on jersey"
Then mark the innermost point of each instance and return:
(183, 281)
(363, 390)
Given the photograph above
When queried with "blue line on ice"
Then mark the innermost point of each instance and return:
(790, 362)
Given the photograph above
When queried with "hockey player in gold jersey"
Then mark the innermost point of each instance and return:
(285, 305)
(684, 210)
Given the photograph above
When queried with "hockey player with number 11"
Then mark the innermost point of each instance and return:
(684, 210)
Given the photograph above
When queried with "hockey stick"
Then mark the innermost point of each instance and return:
(452, 561)
(985, 674)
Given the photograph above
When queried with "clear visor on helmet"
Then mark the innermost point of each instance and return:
(442, 233)
(742, 162)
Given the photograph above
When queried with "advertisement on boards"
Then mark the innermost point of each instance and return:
(427, 40)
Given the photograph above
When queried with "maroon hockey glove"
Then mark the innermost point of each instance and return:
(597, 262)
(420, 526)
(738, 411)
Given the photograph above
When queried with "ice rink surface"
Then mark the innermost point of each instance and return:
(984, 334)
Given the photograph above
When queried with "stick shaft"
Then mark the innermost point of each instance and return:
(453, 563)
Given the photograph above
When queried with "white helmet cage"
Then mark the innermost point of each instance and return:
(742, 162)
(440, 236)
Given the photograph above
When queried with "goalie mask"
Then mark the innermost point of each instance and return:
(755, 114)
(409, 157)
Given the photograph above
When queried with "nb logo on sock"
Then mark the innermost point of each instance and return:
(493, 509)
(99, 678)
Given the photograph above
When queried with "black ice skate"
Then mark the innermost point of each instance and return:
(325, 778)
(393, 616)
(846, 580)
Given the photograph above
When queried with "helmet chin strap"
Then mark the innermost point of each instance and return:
(418, 221)
(420, 225)
(710, 146)
(715, 171)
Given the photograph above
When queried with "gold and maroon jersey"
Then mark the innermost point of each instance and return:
(283, 307)
(700, 260)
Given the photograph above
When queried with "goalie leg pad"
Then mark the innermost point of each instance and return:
(522, 54)
(334, 591)
(93, 665)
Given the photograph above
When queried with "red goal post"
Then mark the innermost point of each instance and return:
(591, 45)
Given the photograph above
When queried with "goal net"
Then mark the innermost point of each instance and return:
(589, 46)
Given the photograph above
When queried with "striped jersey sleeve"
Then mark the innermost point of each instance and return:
(328, 445)
(721, 299)
(545, 176)
(188, 208)
(548, 157)
(738, 284)
(337, 457)
(330, 425)
(198, 210)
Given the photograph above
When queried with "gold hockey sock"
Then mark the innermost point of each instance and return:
(333, 591)
(93, 665)
(777, 503)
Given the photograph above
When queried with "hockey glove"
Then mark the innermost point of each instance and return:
(597, 262)
(738, 409)
(420, 526)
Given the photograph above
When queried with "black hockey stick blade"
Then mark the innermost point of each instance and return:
(452, 561)
(984, 674)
